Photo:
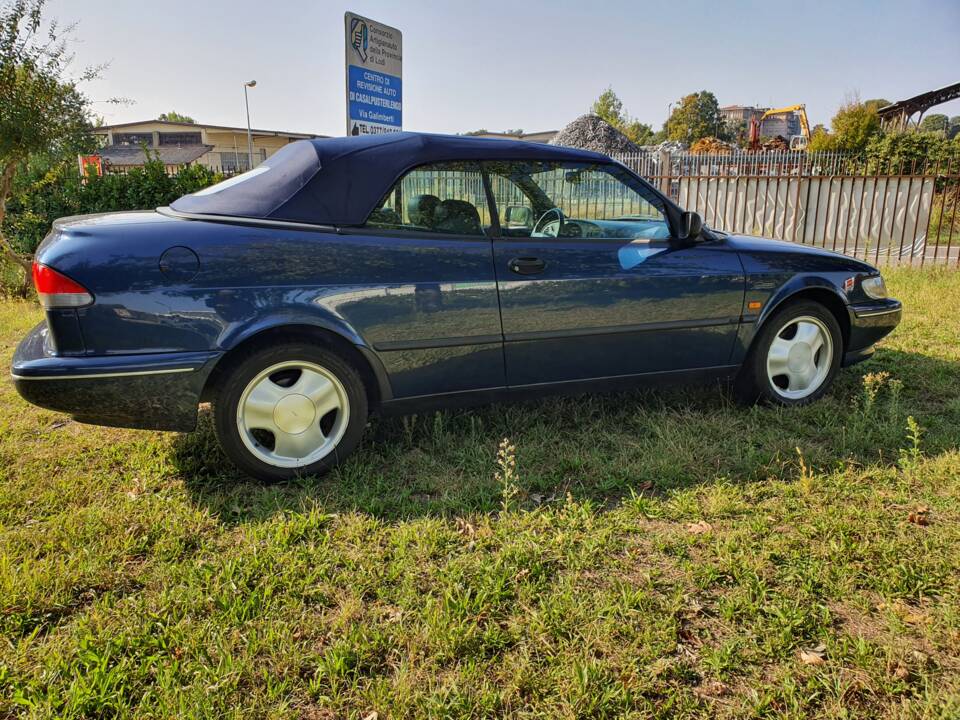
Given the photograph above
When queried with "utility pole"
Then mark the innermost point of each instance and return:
(246, 100)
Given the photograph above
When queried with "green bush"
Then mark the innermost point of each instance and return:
(48, 190)
(894, 150)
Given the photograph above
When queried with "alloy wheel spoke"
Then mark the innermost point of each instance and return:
(299, 445)
(817, 343)
(319, 389)
(778, 357)
(807, 333)
(259, 405)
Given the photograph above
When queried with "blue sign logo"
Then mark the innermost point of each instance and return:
(359, 38)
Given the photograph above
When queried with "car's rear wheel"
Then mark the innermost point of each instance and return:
(294, 409)
(795, 357)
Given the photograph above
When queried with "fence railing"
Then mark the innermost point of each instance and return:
(897, 213)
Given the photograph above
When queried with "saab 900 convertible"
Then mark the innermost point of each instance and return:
(392, 273)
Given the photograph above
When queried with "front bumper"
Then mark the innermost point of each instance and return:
(870, 323)
(158, 391)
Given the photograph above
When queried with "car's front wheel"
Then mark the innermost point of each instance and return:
(288, 410)
(795, 357)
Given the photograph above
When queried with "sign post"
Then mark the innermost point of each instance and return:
(374, 76)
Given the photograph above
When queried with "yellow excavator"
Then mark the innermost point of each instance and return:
(797, 142)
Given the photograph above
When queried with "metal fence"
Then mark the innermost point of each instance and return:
(898, 213)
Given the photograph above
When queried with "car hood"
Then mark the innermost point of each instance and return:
(766, 246)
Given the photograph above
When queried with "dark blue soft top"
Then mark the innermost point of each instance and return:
(338, 181)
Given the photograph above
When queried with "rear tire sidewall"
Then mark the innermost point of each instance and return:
(245, 368)
(754, 384)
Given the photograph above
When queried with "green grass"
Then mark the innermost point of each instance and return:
(655, 555)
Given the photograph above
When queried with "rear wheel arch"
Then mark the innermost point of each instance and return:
(375, 383)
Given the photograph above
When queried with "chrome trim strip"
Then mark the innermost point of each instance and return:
(92, 376)
(876, 313)
(618, 329)
(240, 220)
(393, 345)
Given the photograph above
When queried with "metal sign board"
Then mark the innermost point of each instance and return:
(374, 76)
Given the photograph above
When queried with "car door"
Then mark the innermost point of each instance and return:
(427, 303)
(591, 284)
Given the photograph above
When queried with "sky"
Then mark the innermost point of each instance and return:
(499, 64)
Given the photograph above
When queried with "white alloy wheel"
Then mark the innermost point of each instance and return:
(293, 414)
(800, 357)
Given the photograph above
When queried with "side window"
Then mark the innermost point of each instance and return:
(575, 200)
(440, 198)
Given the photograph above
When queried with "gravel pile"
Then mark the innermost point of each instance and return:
(589, 132)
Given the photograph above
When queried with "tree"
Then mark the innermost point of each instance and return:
(936, 122)
(609, 107)
(854, 126)
(877, 103)
(954, 129)
(697, 115)
(174, 116)
(43, 111)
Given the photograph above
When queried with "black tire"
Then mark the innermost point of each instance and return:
(753, 383)
(244, 369)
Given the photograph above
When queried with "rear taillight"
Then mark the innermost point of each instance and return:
(58, 291)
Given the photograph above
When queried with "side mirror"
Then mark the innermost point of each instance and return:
(690, 225)
(516, 216)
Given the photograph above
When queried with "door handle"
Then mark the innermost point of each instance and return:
(527, 265)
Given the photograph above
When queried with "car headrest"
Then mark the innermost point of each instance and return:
(458, 216)
(422, 209)
(384, 216)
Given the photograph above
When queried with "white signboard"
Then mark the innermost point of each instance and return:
(374, 76)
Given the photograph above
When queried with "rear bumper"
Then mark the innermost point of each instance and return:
(158, 391)
(870, 323)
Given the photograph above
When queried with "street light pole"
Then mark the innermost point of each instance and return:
(246, 100)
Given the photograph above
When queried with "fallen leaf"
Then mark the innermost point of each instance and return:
(700, 527)
(716, 688)
(910, 614)
(814, 656)
(466, 527)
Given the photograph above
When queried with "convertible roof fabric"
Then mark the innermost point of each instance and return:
(339, 181)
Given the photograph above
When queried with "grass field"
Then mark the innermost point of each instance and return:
(651, 555)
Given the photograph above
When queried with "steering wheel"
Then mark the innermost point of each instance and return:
(540, 227)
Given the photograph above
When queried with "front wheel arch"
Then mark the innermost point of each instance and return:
(822, 296)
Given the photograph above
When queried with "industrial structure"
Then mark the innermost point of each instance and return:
(897, 115)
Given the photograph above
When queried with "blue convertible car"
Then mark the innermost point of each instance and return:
(391, 273)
